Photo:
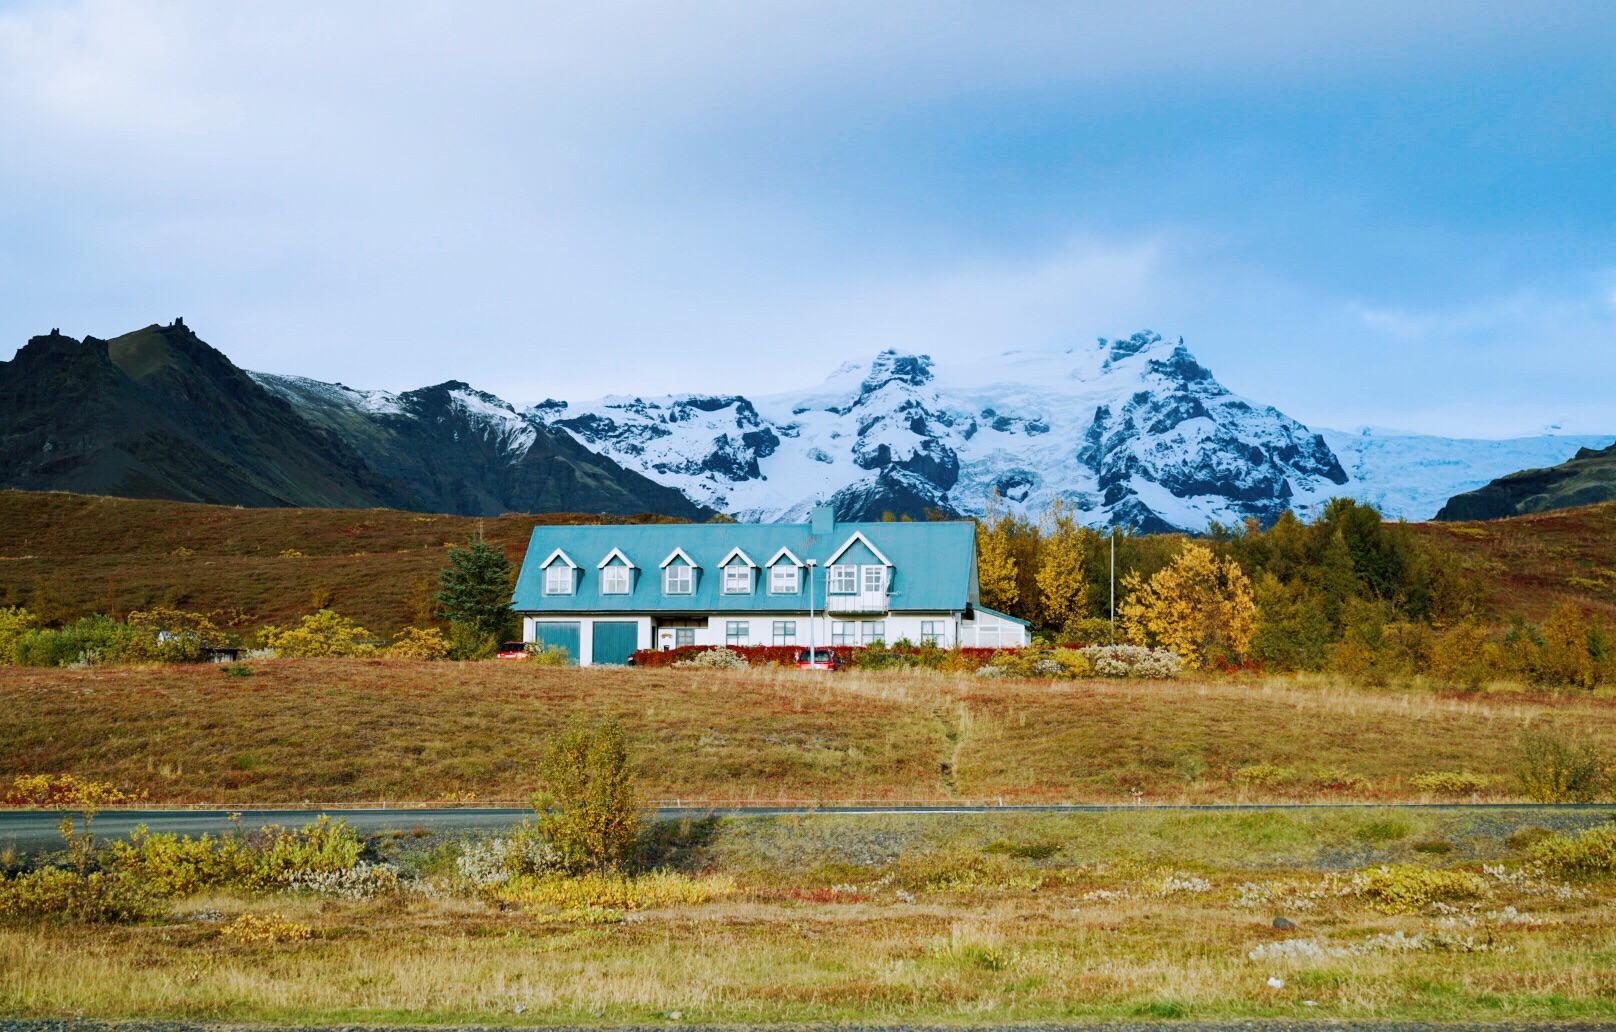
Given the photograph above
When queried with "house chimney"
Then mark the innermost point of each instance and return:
(824, 519)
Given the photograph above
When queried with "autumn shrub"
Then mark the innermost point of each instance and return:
(320, 634)
(1061, 664)
(1591, 852)
(166, 635)
(549, 656)
(1553, 770)
(170, 866)
(1407, 888)
(1452, 782)
(588, 805)
(15, 621)
(265, 929)
(92, 897)
(419, 643)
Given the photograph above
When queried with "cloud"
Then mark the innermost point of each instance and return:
(570, 199)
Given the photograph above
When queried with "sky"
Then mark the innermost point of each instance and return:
(1392, 213)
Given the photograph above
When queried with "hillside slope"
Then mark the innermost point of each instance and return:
(65, 556)
(1587, 478)
(158, 413)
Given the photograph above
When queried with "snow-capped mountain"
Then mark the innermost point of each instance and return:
(1133, 431)
(1413, 475)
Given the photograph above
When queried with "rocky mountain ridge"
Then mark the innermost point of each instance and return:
(159, 413)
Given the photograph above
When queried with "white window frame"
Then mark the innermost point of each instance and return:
(685, 573)
(737, 579)
(616, 580)
(844, 632)
(842, 579)
(785, 632)
(872, 580)
(737, 632)
(558, 579)
(783, 571)
(872, 631)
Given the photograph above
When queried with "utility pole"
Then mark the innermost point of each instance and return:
(812, 657)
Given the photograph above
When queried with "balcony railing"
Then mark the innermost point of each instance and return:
(863, 602)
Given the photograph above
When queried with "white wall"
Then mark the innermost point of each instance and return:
(985, 631)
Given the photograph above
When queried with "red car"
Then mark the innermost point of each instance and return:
(823, 660)
(513, 650)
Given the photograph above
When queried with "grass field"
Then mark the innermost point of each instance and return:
(962, 920)
(331, 731)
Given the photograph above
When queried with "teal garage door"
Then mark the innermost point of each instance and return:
(558, 635)
(615, 642)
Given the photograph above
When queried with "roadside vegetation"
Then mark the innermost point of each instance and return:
(593, 914)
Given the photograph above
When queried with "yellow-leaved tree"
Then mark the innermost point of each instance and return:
(1065, 549)
(996, 568)
(1198, 606)
(319, 634)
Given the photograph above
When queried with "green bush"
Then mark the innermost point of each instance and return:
(1553, 770)
(1451, 782)
(92, 640)
(588, 807)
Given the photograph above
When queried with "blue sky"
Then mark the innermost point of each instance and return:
(1390, 213)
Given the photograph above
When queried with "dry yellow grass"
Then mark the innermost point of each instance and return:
(331, 731)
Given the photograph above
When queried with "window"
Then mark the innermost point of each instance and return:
(558, 579)
(843, 580)
(736, 632)
(614, 580)
(738, 579)
(783, 579)
(932, 631)
(678, 579)
(875, 579)
(683, 636)
(875, 630)
(843, 632)
(785, 631)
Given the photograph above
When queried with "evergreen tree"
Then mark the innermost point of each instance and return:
(474, 590)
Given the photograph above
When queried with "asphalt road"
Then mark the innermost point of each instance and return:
(29, 830)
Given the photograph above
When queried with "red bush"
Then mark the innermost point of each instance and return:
(788, 655)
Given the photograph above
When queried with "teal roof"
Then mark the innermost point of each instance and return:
(933, 565)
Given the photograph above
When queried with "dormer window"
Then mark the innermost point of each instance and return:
(616, 573)
(737, 579)
(678, 579)
(614, 580)
(558, 570)
(558, 579)
(678, 573)
(783, 580)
